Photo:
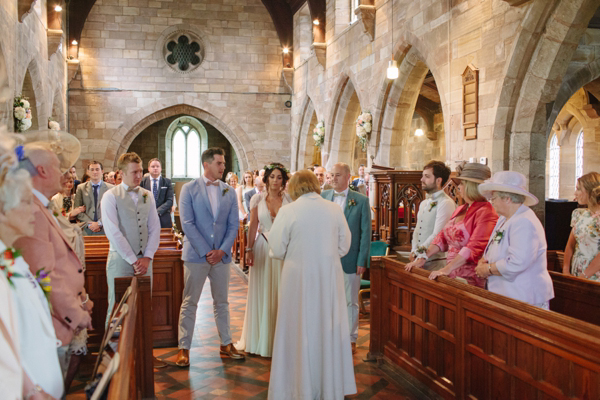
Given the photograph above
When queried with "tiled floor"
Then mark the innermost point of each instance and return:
(211, 376)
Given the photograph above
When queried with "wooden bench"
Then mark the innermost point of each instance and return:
(468, 343)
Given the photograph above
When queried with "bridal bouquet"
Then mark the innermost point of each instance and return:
(319, 134)
(363, 129)
(22, 113)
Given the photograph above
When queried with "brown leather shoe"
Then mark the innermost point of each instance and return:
(183, 358)
(159, 363)
(232, 352)
(353, 348)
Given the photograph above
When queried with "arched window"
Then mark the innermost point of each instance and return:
(579, 156)
(554, 168)
(186, 139)
(353, 6)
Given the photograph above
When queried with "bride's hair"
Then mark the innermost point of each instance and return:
(272, 167)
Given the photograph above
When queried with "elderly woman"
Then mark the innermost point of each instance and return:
(466, 234)
(63, 201)
(583, 247)
(37, 343)
(514, 261)
(310, 235)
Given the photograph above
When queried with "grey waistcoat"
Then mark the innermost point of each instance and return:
(133, 221)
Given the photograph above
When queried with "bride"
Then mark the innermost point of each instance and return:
(263, 280)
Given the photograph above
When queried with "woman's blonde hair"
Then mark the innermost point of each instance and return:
(251, 180)
(472, 191)
(229, 176)
(591, 184)
(303, 182)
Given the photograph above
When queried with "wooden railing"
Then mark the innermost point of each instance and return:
(468, 343)
(134, 378)
(398, 195)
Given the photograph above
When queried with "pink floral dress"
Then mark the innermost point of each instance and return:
(452, 238)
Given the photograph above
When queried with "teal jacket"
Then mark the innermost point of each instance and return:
(358, 216)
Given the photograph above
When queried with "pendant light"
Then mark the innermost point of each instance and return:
(392, 70)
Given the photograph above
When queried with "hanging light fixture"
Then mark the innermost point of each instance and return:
(419, 132)
(392, 70)
(74, 42)
(286, 50)
(57, 8)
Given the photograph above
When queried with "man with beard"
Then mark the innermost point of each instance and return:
(434, 212)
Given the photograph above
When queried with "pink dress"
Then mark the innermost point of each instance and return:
(454, 237)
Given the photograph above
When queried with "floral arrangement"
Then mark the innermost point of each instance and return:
(43, 279)
(319, 134)
(225, 191)
(498, 236)
(278, 166)
(22, 113)
(432, 204)
(364, 128)
(53, 125)
(63, 212)
(421, 250)
(351, 203)
(7, 260)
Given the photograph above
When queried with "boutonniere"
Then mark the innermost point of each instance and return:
(432, 204)
(498, 236)
(351, 203)
(145, 196)
(7, 260)
(55, 213)
(352, 187)
(225, 191)
(43, 279)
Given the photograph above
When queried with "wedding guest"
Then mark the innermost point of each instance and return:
(105, 176)
(162, 191)
(89, 194)
(118, 177)
(232, 180)
(514, 261)
(582, 250)
(259, 187)
(263, 280)
(63, 201)
(84, 178)
(28, 336)
(76, 180)
(320, 173)
(466, 234)
(70, 304)
(357, 212)
(434, 212)
(246, 186)
(110, 177)
(209, 218)
(132, 226)
(312, 356)
(361, 177)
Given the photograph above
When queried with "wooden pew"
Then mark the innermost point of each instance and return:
(467, 343)
(134, 378)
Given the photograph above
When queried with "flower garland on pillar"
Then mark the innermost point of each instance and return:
(22, 113)
(319, 134)
(363, 129)
(53, 125)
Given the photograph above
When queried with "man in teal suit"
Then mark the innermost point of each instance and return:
(358, 215)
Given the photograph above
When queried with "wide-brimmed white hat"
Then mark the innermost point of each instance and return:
(510, 182)
(66, 146)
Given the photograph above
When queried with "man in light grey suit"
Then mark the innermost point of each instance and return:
(89, 194)
(209, 217)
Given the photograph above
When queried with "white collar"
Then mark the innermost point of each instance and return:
(41, 197)
(345, 192)
(125, 186)
(436, 195)
(151, 178)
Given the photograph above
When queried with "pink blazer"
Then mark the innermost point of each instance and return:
(49, 249)
(479, 221)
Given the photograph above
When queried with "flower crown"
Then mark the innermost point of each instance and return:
(276, 166)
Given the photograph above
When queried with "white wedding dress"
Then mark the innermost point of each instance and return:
(263, 287)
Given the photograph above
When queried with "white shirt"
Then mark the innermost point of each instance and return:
(341, 200)
(213, 195)
(117, 240)
(44, 200)
(432, 219)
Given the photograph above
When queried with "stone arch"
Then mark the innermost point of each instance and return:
(176, 105)
(304, 147)
(31, 86)
(396, 106)
(169, 141)
(340, 142)
(534, 74)
(58, 109)
(5, 91)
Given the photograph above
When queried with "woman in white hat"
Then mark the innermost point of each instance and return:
(514, 261)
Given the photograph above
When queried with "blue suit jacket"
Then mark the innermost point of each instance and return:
(358, 216)
(204, 231)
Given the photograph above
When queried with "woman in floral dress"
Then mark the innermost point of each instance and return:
(581, 253)
(466, 234)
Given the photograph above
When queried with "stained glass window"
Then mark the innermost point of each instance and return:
(554, 168)
(579, 156)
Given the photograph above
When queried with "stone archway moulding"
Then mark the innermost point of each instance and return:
(308, 110)
(176, 105)
(38, 89)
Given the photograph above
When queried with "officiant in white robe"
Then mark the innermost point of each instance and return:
(312, 357)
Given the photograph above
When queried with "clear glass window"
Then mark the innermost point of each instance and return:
(554, 168)
(186, 152)
(579, 156)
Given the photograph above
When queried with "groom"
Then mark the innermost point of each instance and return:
(358, 215)
(209, 218)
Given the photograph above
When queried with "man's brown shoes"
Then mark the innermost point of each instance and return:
(353, 348)
(183, 358)
(232, 352)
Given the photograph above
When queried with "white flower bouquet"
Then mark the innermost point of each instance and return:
(319, 134)
(53, 125)
(22, 113)
(364, 128)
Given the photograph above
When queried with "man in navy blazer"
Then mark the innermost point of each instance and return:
(162, 190)
(209, 217)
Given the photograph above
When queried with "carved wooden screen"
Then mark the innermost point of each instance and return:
(470, 80)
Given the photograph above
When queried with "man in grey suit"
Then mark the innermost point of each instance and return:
(209, 218)
(89, 194)
(321, 173)
(259, 186)
(162, 191)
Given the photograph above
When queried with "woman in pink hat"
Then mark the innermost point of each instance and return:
(514, 261)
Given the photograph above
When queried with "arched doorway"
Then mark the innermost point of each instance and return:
(307, 153)
(28, 91)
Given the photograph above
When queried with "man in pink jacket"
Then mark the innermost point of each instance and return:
(49, 249)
